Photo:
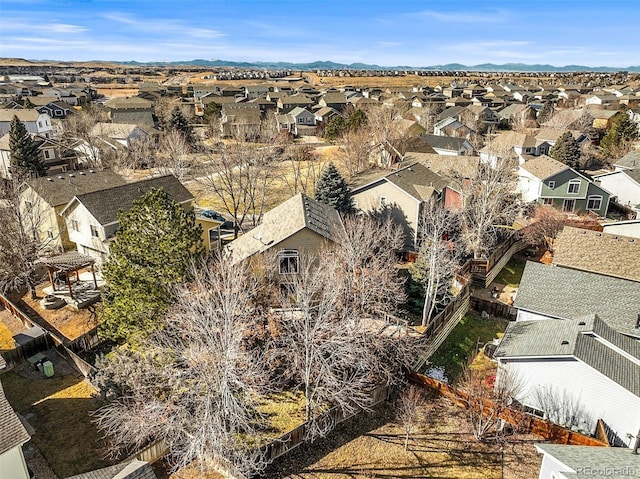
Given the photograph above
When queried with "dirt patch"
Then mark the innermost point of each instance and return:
(9, 327)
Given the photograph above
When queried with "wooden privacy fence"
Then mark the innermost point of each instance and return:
(523, 421)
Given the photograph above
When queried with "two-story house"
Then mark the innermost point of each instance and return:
(35, 122)
(92, 218)
(551, 182)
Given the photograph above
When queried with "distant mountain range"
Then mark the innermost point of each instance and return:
(329, 65)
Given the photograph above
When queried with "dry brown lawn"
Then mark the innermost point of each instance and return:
(442, 447)
(58, 409)
(9, 326)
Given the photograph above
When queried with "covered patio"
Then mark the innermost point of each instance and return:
(66, 282)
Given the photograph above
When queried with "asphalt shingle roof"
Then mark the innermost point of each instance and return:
(571, 294)
(595, 458)
(597, 252)
(444, 142)
(59, 190)
(576, 338)
(104, 205)
(543, 166)
(283, 221)
(630, 160)
(12, 432)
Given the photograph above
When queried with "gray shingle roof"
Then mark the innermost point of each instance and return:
(576, 338)
(12, 432)
(570, 294)
(444, 142)
(602, 253)
(597, 458)
(630, 160)
(127, 470)
(285, 220)
(104, 205)
(59, 190)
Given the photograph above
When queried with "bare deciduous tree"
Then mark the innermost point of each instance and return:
(194, 384)
(491, 206)
(487, 398)
(437, 258)
(356, 146)
(300, 171)
(21, 239)
(239, 177)
(564, 408)
(548, 222)
(173, 157)
(337, 342)
(410, 408)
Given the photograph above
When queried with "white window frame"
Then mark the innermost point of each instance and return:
(570, 184)
(74, 225)
(95, 232)
(289, 257)
(383, 201)
(597, 198)
(551, 184)
(50, 233)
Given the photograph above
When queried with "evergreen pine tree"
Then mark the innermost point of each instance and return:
(566, 150)
(26, 103)
(620, 131)
(335, 128)
(25, 157)
(179, 123)
(332, 189)
(154, 246)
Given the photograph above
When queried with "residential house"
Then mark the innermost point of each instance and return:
(13, 436)
(240, 119)
(298, 122)
(323, 115)
(335, 100)
(553, 292)
(624, 186)
(300, 229)
(56, 109)
(547, 181)
(577, 362)
(389, 153)
(447, 145)
(118, 135)
(601, 118)
(251, 92)
(451, 127)
(630, 161)
(602, 99)
(405, 191)
(35, 122)
(628, 228)
(131, 110)
(44, 199)
(56, 156)
(517, 114)
(598, 252)
(561, 461)
(92, 218)
(288, 103)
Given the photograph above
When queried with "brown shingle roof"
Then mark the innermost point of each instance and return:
(602, 253)
(543, 166)
(27, 114)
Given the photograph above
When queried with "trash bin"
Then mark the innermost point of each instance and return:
(47, 369)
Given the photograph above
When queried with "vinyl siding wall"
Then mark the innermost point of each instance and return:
(599, 395)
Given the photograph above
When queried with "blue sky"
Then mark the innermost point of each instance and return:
(400, 32)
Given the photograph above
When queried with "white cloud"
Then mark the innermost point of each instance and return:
(495, 16)
(172, 27)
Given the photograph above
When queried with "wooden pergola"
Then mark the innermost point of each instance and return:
(68, 263)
